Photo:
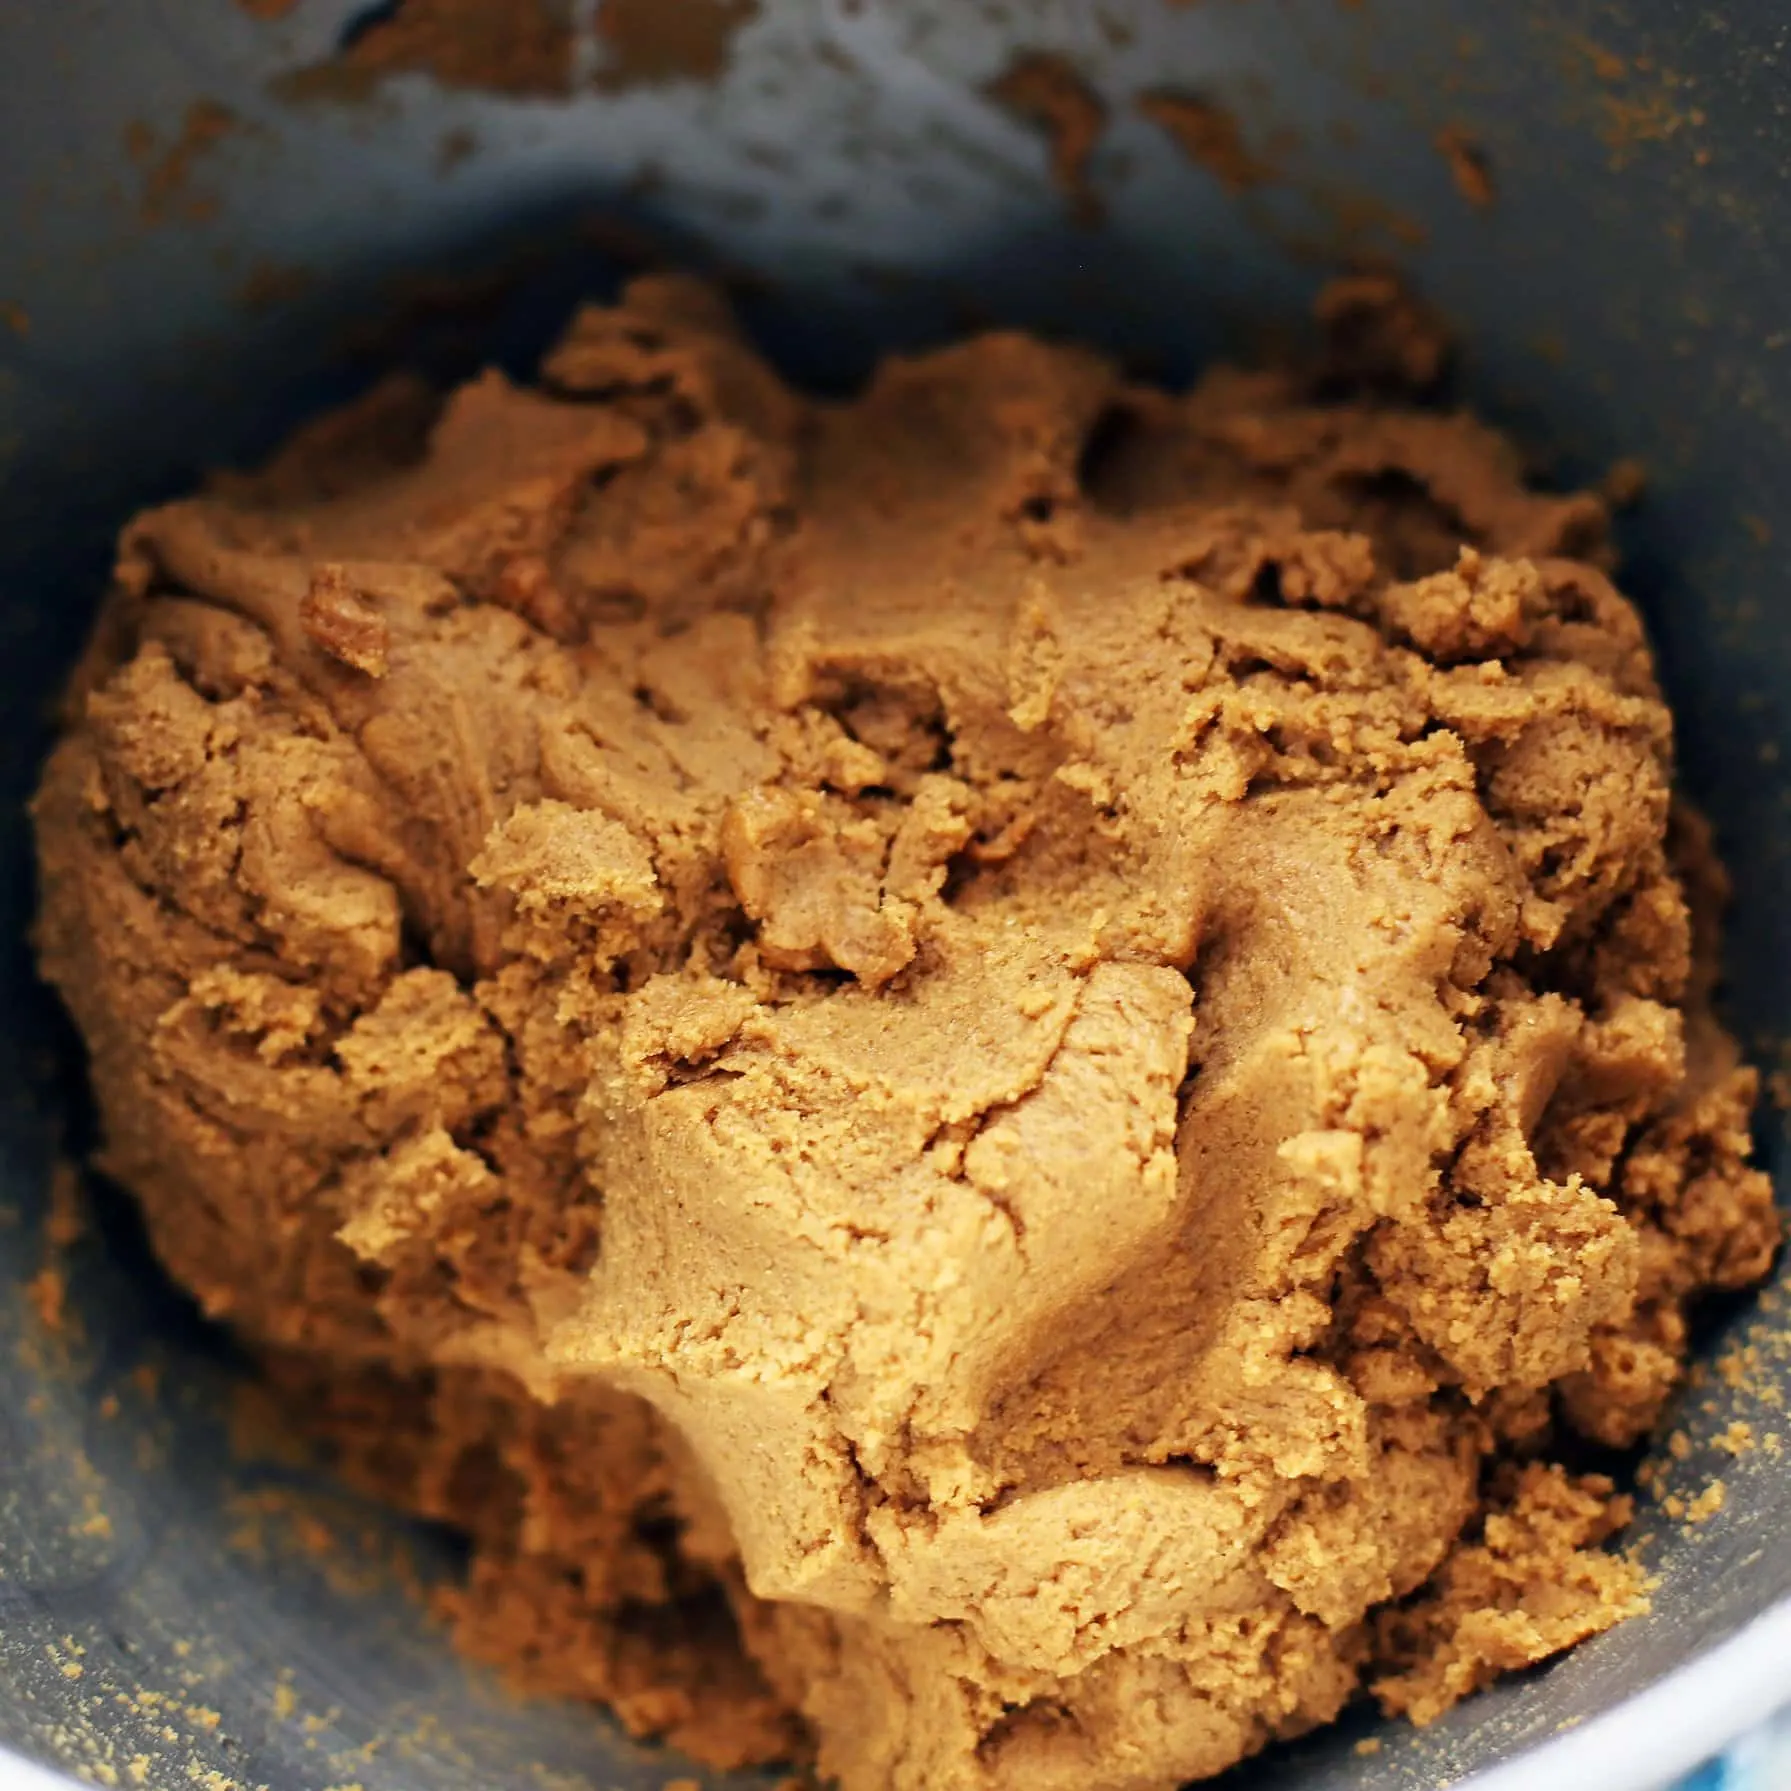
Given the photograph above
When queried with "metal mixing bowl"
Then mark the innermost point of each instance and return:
(177, 287)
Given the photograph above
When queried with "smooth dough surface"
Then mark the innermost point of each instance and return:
(974, 1072)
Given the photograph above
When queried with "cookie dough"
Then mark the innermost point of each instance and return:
(975, 1073)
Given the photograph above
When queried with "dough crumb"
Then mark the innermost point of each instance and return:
(513, 47)
(168, 170)
(1468, 166)
(1052, 95)
(1532, 1585)
(1707, 1503)
(646, 43)
(1209, 135)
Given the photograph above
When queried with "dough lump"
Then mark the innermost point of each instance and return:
(974, 1072)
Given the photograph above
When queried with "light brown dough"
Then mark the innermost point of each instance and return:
(1007, 1028)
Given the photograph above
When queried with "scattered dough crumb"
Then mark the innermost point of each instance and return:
(1051, 94)
(47, 1293)
(168, 193)
(1209, 135)
(1707, 1504)
(1468, 166)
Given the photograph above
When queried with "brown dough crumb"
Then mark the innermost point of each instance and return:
(1209, 135)
(1737, 1439)
(516, 47)
(67, 1219)
(1625, 483)
(47, 1295)
(1707, 1504)
(1534, 1583)
(168, 173)
(1050, 93)
(646, 42)
(1468, 166)
(961, 1070)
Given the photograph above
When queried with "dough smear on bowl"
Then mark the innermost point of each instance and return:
(976, 1073)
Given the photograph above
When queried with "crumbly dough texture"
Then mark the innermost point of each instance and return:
(974, 1073)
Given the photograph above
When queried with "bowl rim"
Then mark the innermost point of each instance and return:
(1680, 1722)
(17, 1773)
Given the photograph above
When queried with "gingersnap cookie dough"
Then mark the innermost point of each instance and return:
(976, 1074)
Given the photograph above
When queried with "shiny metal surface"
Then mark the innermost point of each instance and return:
(162, 1620)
